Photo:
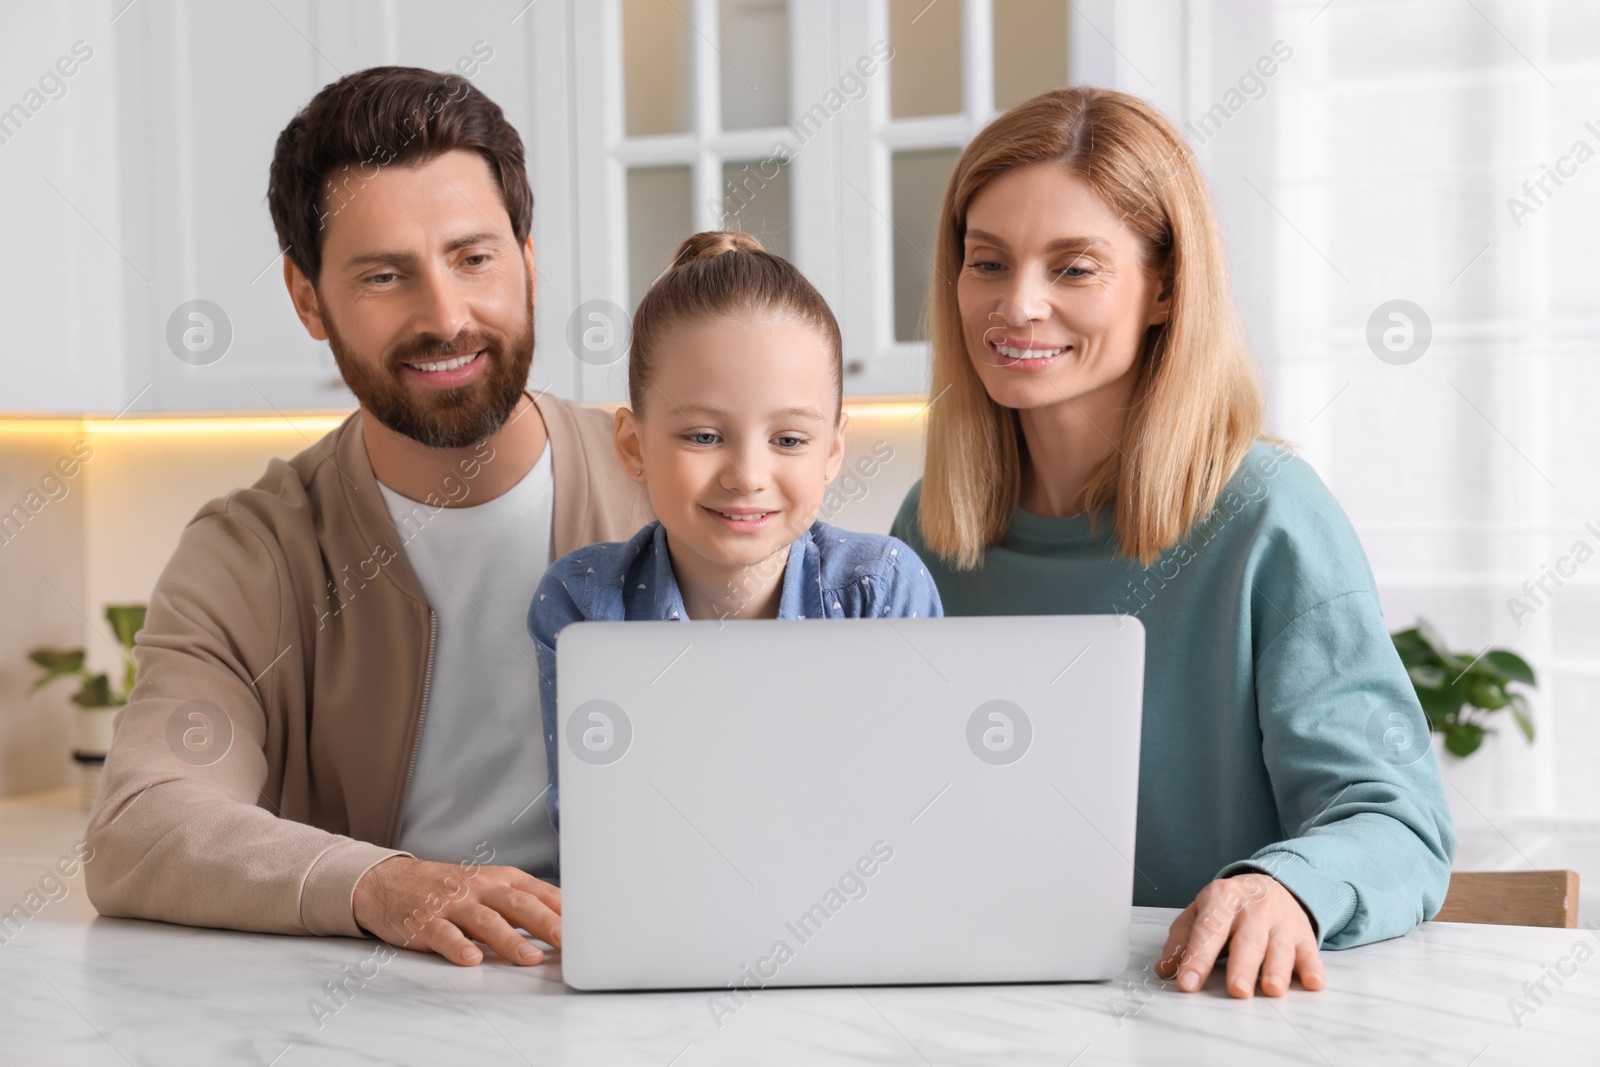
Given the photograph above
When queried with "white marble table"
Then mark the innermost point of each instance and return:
(79, 989)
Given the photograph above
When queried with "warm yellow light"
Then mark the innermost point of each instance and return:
(298, 423)
(24, 425)
(315, 423)
(886, 409)
(305, 424)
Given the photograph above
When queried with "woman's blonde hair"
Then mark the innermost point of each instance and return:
(719, 273)
(1196, 405)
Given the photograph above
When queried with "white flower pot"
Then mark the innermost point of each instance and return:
(94, 730)
(93, 736)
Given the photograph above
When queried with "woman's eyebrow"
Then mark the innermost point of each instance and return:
(1076, 244)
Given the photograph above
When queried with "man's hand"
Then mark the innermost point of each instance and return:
(1260, 923)
(437, 907)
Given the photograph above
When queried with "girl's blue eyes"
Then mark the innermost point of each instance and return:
(708, 438)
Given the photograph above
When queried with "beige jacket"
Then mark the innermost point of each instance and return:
(262, 763)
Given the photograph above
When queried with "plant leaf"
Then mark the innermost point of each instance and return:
(1510, 665)
(95, 692)
(126, 621)
(1485, 693)
(1464, 738)
(1435, 643)
(1425, 676)
(57, 663)
(57, 659)
(1442, 705)
(1523, 714)
(1412, 649)
(1436, 723)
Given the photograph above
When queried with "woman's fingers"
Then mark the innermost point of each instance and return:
(1278, 965)
(1246, 950)
(1308, 965)
(1263, 928)
(1208, 933)
(1176, 950)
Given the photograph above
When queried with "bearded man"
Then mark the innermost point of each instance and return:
(336, 724)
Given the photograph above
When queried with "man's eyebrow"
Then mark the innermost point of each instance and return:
(781, 413)
(1059, 244)
(369, 259)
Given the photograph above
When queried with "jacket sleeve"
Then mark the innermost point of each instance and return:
(1369, 838)
(183, 832)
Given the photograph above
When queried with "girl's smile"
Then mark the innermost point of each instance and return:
(738, 437)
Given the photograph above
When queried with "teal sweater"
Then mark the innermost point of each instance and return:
(1280, 732)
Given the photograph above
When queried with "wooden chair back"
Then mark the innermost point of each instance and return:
(1512, 898)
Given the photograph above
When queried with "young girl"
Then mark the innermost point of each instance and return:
(735, 429)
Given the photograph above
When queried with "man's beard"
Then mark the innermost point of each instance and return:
(450, 418)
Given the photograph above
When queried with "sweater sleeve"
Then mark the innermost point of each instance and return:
(1369, 840)
(182, 832)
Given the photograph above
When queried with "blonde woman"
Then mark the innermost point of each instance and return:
(1095, 445)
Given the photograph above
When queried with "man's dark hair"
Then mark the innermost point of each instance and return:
(372, 119)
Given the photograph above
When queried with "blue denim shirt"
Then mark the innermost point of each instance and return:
(830, 574)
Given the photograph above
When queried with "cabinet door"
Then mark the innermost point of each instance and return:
(212, 87)
(827, 127)
(203, 91)
(66, 269)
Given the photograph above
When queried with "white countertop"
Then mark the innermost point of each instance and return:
(80, 989)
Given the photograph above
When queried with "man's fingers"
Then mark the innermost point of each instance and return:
(549, 895)
(528, 911)
(489, 926)
(443, 937)
(1308, 964)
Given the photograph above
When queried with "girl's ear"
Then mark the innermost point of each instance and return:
(630, 448)
(836, 450)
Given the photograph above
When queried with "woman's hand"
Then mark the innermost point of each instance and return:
(1262, 926)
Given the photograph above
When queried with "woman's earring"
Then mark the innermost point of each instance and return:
(638, 470)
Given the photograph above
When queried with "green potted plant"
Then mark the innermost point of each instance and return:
(1458, 692)
(97, 699)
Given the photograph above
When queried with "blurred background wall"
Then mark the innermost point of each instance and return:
(1428, 152)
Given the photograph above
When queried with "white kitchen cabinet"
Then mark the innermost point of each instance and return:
(142, 188)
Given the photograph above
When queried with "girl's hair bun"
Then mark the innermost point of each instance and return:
(713, 243)
(722, 273)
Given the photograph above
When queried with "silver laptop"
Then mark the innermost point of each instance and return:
(853, 801)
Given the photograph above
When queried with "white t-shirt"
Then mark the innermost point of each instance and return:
(481, 762)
